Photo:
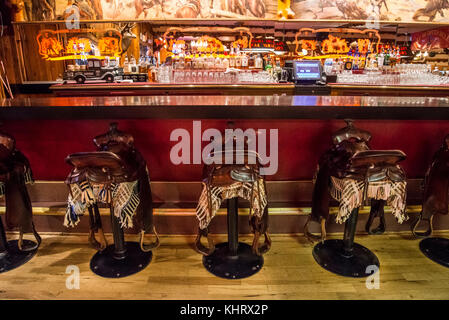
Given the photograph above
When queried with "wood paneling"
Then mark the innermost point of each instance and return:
(9, 57)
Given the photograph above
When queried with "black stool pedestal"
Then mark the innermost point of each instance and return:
(436, 249)
(121, 259)
(10, 255)
(344, 257)
(233, 259)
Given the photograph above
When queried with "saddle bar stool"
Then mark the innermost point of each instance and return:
(116, 174)
(15, 173)
(352, 173)
(233, 259)
(435, 201)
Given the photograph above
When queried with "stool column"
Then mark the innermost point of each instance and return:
(233, 260)
(349, 233)
(233, 225)
(119, 237)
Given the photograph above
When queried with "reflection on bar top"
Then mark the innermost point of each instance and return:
(247, 101)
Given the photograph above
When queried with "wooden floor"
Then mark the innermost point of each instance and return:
(176, 272)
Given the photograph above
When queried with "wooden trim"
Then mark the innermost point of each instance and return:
(237, 21)
(303, 211)
(169, 195)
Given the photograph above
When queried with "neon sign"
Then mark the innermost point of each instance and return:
(99, 45)
(77, 46)
(49, 45)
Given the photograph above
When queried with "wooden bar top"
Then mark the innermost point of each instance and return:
(226, 107)
(339, 89)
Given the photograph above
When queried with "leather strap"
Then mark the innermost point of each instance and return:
(199, 247)
(153, 245)
(260, 227)
(31, 248)
(262, 248)
(415, 225)
(310, 236)
(377, 211)
(96, 226)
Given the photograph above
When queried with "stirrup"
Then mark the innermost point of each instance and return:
(380, 229)
(314, 238)
(429, 230)
(154, 245)
(99, 246)
(199, 247)
(263, 248)
(32, 248)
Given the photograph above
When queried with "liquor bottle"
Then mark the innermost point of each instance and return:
(238, 60)
(380, 60)
(251, 61)
(126, 65)
(245, 62)
(225, 61)
(355, 64)
(133, 65)
(142, 66)
(218, 61)
(232, 59)
(258, 63)
(387, 58)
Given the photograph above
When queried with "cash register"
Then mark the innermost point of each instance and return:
(308, 76)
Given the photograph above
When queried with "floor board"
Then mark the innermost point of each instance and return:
(176, 272)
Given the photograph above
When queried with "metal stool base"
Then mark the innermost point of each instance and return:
(105, 265)
(436, 249)
(331, 256)
(224, 265)
(15, 258)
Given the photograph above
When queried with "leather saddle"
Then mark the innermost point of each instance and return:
(436, 188)
(244, 168)
(351, 157)
(14, 166)
(376, 165)
(100, 167)
(115, 161)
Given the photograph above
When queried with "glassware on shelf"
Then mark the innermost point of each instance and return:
(399, 74)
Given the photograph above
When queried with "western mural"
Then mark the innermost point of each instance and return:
(40, 10)
(385, 10)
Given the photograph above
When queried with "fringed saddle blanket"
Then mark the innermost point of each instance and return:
(28, 177)
(124, 198)
(350, 194)
(237, 189)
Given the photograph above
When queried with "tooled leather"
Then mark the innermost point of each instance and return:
(101, 167)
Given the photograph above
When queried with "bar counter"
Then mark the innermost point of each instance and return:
(48, 129)
(226, 107)
(336, 89)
